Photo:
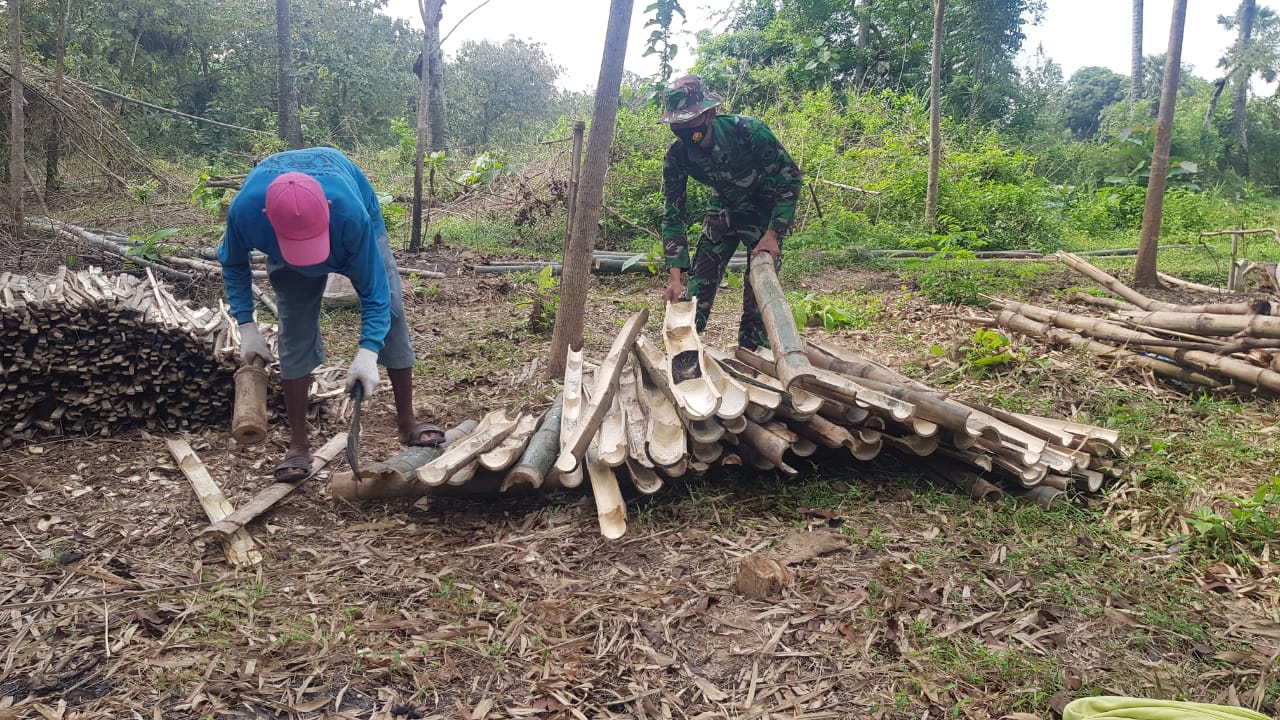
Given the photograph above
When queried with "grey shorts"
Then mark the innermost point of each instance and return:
(301, 346)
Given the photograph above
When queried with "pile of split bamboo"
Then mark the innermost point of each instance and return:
(1229, 346)
(648, 412)
(87, 352)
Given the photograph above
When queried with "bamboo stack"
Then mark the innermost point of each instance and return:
(89, 353)
(857, 410)
(1226, 346)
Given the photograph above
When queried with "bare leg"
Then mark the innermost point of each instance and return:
(295, 405)
(406, 421)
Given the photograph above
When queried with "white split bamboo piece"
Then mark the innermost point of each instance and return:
(491, 431)
(611, 510)
(644, 478)
(574, 401)
(239, 547)
(677, 470)
(758, 413)
(733, 395)
(686, 363)
(634, 418)
(667, 444)
(509, 450)
(575, 444)
(705, 431)
(464, 475)
(612, 437)
(707, 452)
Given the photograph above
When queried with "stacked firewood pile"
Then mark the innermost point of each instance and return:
(646, 413)
(1227, 346)
(91, 353)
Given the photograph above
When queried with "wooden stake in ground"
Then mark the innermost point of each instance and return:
(239, 546)
(577, 259)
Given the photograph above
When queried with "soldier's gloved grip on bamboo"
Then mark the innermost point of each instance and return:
(363, 370)
(252, 345)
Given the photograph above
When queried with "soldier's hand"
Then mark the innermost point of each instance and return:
(769, 243)
(675, 288)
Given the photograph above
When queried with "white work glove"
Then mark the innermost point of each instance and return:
(253, 346)
(363, 370)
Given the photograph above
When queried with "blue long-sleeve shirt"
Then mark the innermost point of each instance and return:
(355, 224)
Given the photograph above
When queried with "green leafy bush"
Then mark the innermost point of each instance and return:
(831, 312)
(1250, 526)
(959, 279)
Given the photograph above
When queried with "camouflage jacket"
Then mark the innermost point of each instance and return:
(747, 171)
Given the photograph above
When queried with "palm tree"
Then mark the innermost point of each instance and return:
(1135, 76)
(1239, 154)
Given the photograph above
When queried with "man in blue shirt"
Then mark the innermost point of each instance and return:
(313, 212)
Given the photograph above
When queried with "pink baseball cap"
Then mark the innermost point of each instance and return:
(299, 213)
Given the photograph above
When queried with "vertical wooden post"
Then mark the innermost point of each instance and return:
(1233, 272)
(17, 129)
(575, 175)
(935, 117)
(577, 258)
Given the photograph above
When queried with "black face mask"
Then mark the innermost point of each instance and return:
(692, 135)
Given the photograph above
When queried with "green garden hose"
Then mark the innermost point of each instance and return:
(1108, 707)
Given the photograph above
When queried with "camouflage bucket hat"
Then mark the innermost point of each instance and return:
(687, 100)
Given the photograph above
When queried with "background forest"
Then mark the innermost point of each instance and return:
(1033, 159)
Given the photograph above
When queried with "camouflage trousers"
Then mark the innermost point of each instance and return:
(722, 233)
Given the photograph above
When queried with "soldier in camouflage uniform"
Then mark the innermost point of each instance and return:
(754, 186)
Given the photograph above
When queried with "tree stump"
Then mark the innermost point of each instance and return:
(761, 577)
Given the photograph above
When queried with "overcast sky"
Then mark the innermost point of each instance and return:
(1075, 33)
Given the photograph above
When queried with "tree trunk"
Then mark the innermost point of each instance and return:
(288, 123)
(1239, 157)
(17, 130)
(1135, 59)
(863, 42)
(428, 130)
(435, 82)
(935, 117)
(1144, 273)
(577, 259)
(53, 140)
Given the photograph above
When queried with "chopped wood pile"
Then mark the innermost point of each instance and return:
(649, 412)
(1226, 346)
(94, 353)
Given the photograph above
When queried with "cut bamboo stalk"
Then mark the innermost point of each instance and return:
(914, 444)
(574, 393)
(686, 363)
(239, 547)
(1118, 288)
(1058, 482)
(676, 470)
(397, 477)
(1229, 367)
(601, 401)
(643, 477)
(824, 432)
(493, 429)
(982, 461)
(275, 492)
(766, 444)
(512, 447)
(735, 425)
(733, 394)
(758, 414)
(849, 391)
(847, 362)
(707, 452)
(801, 402)
(705, 431)
(1019, 323)
(788, 349)
(1088, 480)
(612, 437)
(540, 453)
(1102, 302)
(1188, 285)
(1255, 326)
(803, 447)
(666, 444)
(1042, 495)
(965, 479)
(464, 475)
(249, 418)
(732, 459)
(842, 413)
(634, 418)
(611, 510)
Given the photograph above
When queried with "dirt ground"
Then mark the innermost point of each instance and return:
(515, 607)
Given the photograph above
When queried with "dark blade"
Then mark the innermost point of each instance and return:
(353, 433)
